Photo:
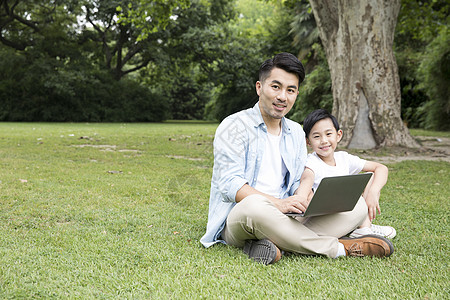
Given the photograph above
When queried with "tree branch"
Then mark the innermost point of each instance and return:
(10, 17)
(132, 52)
(102, 34)
(142, 65)
(123, 37)
(10, 12)
(15, 45)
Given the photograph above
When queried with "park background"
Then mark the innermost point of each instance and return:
(134, 61)
(103, 195)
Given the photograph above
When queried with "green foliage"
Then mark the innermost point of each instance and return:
(241, 65)
(254, 17)
(185, 69)
(27, 23)
(316, 91)
(303, 27)
(148, 16)
(188, 95)
(119, 214)
(45, 89)
(434, 73)
(420, 27)
(85, 60)
(245, 47)
(419, 22)
(121, 47)
(412, 95)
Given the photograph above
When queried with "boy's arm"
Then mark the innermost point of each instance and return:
(296, 203)
(306, 184)
(372, 192)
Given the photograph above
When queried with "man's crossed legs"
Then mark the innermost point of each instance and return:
(255, 218)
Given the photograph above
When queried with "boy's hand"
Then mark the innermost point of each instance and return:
(372, 201)
(372, 196)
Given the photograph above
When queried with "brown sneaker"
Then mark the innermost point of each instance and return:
(367, 245)
(262, 251)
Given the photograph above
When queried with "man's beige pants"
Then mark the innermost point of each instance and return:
(255, 217)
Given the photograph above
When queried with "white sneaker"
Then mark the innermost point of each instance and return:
(384, 231)
(359, 232)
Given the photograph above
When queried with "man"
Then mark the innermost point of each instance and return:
(259, 157)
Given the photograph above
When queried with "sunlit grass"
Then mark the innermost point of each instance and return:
(117, 211)
(421, 132)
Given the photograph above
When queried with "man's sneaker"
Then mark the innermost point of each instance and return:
(384, 231)
(262, 251)
(368, 245)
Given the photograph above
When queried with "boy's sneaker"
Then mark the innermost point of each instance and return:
(368, 245)
(384, 231)
(262, 251)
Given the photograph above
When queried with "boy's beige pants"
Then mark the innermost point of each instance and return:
(255, 217)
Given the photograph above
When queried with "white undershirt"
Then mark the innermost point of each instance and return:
(273, 170)
(346, 164)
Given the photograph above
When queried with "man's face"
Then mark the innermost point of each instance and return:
(277, 93)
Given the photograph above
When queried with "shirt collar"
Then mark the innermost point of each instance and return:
(259, 121)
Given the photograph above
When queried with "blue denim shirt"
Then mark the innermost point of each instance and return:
(239, 145)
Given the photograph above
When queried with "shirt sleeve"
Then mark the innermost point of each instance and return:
(300, 157)
(355, 163)
(311, 162)
(230, 144)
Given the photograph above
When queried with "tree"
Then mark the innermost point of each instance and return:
(260, 31)
(190, 54)
(358, 36)
(50, 70)
(31, 23)
(128, 31)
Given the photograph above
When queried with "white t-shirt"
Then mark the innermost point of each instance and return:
(346, 164)
(273, 170)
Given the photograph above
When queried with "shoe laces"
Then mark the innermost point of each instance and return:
(377, 229)
(355, 250)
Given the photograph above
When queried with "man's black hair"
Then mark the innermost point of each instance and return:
(316, 116)
(285, 61)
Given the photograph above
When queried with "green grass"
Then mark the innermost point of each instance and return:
(422, 132)
(119, 214)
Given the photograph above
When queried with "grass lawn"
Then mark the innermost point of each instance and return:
(117, 211)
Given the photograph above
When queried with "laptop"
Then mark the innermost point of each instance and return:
(336, 194)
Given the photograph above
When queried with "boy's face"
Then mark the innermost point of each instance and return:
(324, 138)
(277, 93)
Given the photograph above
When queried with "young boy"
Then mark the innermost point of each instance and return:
(323, 134)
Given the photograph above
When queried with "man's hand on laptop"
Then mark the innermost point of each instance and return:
(295, 204)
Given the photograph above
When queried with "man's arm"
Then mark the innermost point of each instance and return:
(230, 143)
(247, 190)
(296, 203)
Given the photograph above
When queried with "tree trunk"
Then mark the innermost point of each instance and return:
(358, 36)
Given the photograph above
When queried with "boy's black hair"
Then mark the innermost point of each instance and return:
(285, 61)
(316, 116)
